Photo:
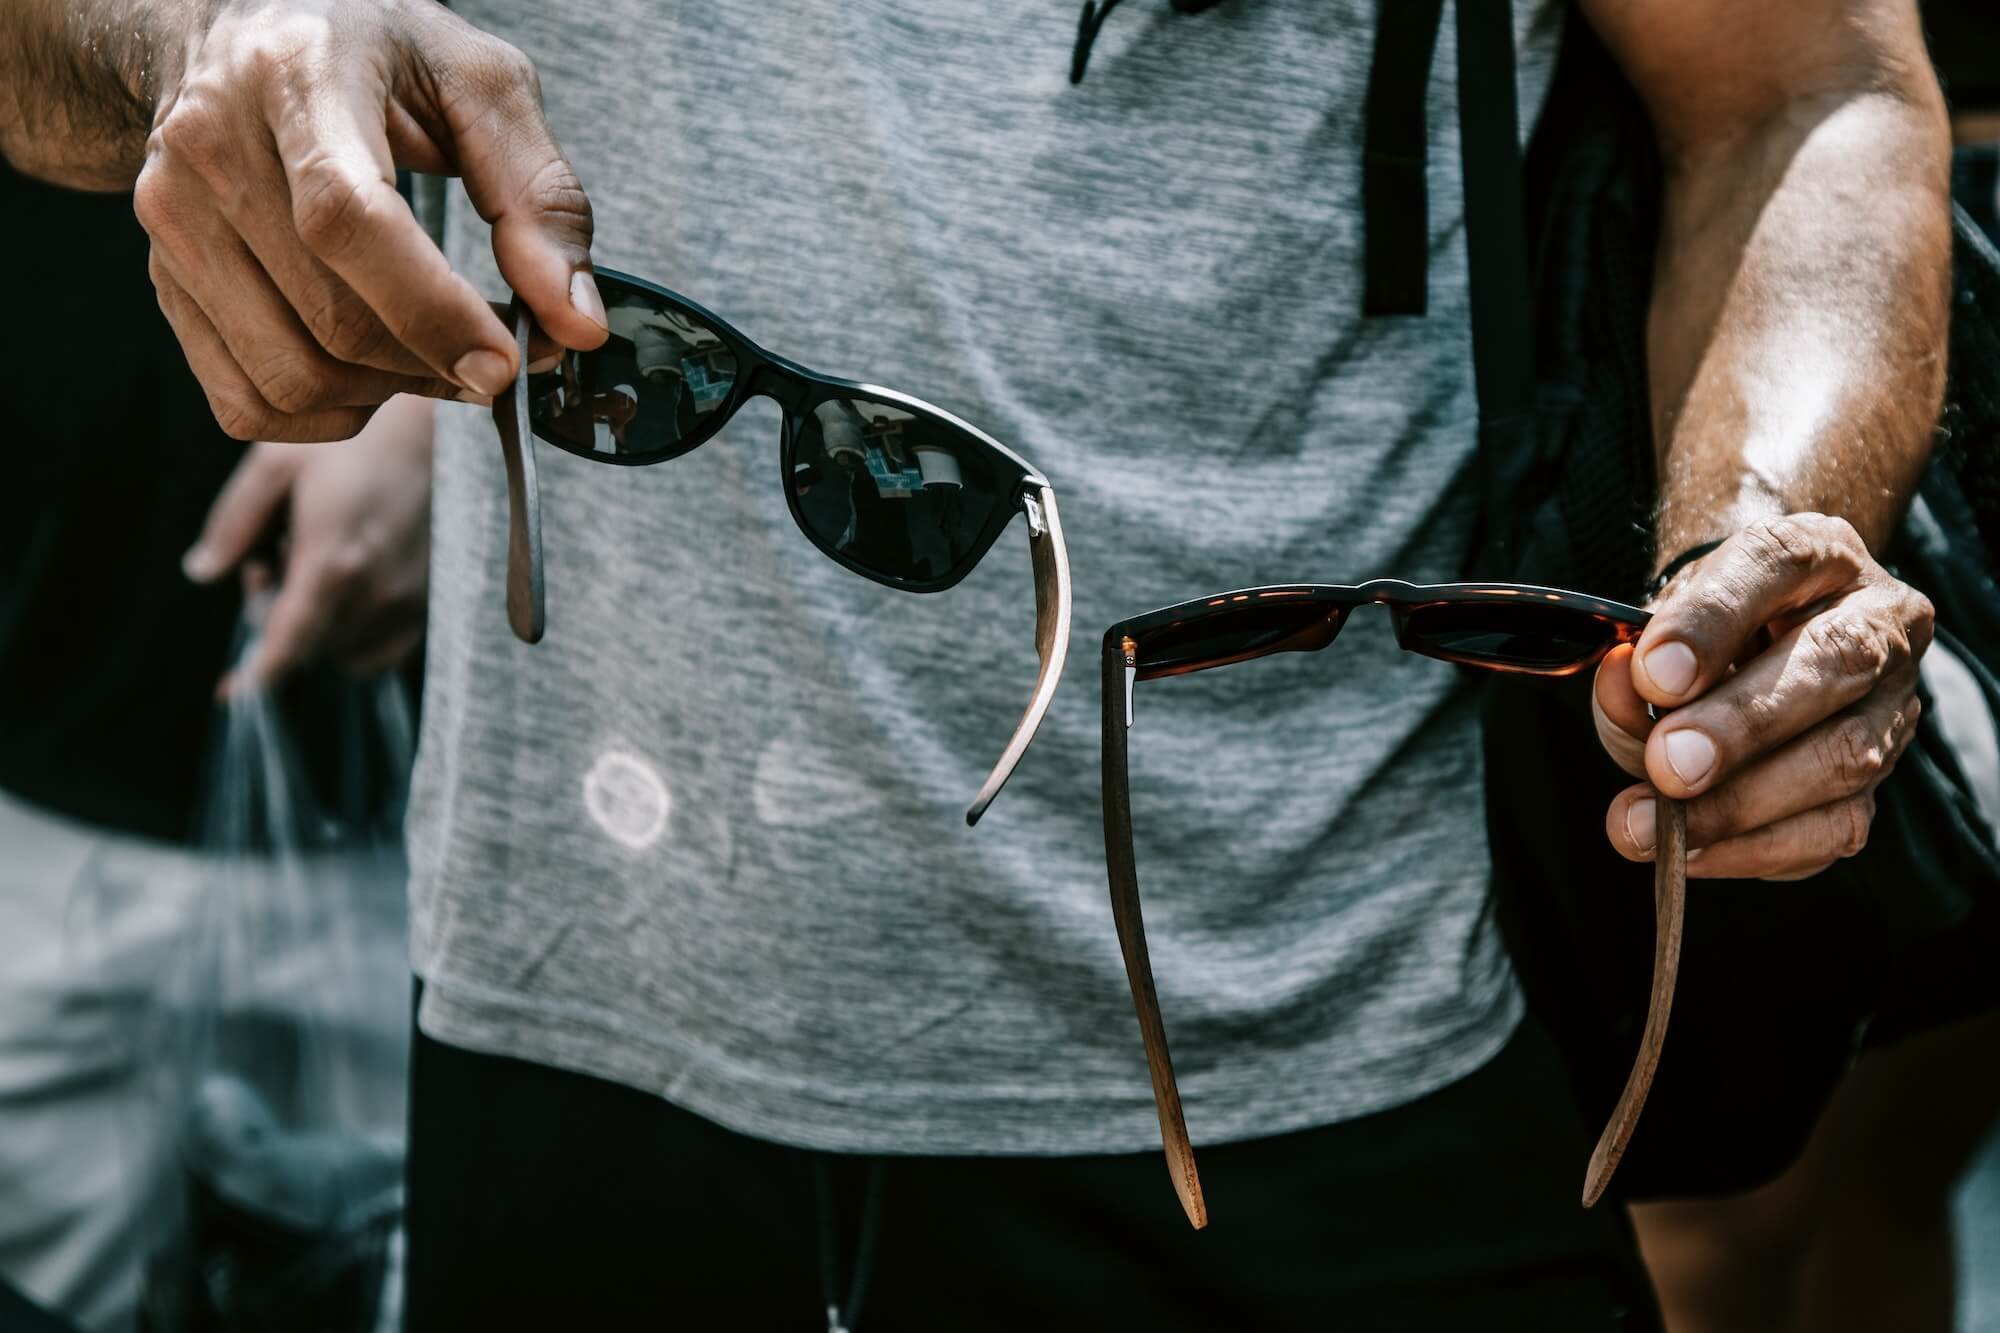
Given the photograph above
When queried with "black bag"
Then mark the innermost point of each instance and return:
(1780, 984)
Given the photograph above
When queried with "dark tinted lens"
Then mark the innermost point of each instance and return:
(1236, 632)
(657, 387)
(1529, 636)
(897, 491)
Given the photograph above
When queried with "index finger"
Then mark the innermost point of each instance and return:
(1763, 573)
(243, 511)
(347, 212)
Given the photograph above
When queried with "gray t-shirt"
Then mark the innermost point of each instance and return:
(707, 838)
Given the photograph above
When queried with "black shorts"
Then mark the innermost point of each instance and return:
(541, 1199)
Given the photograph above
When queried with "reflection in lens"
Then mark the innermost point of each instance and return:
(894, 489)
(1232, 634)
(1534, 636)
(657, 386)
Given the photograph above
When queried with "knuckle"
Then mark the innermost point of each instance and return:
(276, 50)
(1852, 820)
(1785, 544)
(494, 70)
(1854, 646)
(193, 133)
(240, 416)
(1852, 754)
(1836, 531)
(1920, 618)
(342, 324)
(1795, 545)
(556, 194)
(290, 383)
(1903, 729)
(347, 563)
(153, 203)
(518, 72)
(329, 209)
(510, 69)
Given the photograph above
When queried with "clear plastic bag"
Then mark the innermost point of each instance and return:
(277, 1047)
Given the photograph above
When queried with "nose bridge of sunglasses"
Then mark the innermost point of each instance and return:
(1387, 592)
(783, 383)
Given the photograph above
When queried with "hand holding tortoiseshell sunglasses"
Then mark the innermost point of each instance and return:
(893, 488)
(1495, 626)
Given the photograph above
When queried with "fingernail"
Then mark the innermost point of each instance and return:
(483, 371)
(468, 396)
(1640, 817)
(583, 295)
(199, 564)
(1691, 754)
(1672, 666)
(542, 365)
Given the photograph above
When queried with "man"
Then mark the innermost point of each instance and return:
(1149, 285)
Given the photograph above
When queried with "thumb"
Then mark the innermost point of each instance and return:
(243, 512)
(520, 182)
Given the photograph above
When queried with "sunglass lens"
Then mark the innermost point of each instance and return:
(1234, 633)
(1521, 636)
(899, 492)
(657, 387)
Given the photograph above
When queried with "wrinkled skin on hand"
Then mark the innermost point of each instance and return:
(302, 288)
(1788, 657)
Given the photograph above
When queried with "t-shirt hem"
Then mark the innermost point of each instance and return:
(972, 1120)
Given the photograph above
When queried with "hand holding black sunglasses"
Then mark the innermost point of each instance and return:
(1493, 626)
(893, 488)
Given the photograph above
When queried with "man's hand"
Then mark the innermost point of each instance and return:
(356, 563)
(299, 283)
(1789, 659)
(1795, 346)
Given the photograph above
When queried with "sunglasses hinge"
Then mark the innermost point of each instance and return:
(1131, 650)
(1037, 525)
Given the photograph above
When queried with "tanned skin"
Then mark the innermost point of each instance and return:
(1796, 347)
(1796, 352)
(261, 139)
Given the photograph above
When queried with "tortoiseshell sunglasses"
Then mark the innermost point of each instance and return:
(1494, 626)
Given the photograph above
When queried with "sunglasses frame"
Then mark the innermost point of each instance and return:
(1121, 673)
(797, 390)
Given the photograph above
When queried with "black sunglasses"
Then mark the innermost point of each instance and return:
(893, 488)
(1494, 626)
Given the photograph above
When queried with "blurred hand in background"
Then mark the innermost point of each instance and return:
(350, 568)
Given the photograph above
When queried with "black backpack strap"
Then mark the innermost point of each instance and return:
(1396, 219)
(1496, 251)
(1496, 236)
(1395, 202)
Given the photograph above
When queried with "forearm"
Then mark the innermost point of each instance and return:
(78, 83)
(1798, 324)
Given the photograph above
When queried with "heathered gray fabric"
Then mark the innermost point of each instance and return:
(706, 839)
